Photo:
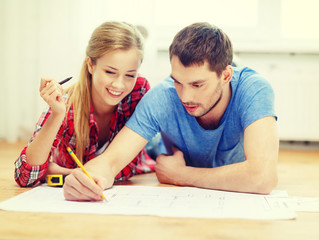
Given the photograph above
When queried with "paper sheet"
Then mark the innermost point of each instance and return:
(303, 204)
(159, 201)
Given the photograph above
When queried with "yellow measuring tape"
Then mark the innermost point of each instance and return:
(56, 180)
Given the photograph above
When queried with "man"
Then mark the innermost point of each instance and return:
(217, 122)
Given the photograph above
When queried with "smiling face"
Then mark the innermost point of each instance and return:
(113, 77)
(198, 88)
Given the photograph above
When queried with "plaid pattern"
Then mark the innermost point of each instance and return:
(26, 175)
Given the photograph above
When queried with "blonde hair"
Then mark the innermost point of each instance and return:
(107, 37)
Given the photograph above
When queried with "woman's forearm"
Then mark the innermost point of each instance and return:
(39, 149)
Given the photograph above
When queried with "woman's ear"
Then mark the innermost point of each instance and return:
(227, 74)
(90, 65)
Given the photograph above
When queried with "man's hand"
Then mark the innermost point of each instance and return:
(79, 187)
(169, 168)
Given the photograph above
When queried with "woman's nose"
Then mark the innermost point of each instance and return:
(118, 83)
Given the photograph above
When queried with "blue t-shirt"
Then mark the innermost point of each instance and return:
(160, 110)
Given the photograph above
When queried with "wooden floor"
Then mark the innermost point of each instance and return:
(298, 174)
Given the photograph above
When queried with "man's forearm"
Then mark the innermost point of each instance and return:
(122, 150)
(239, 177)
(100, 166)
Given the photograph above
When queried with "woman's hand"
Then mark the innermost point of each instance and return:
(52, 93)
(39, 149)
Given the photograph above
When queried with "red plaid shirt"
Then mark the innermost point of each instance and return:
(27, 175)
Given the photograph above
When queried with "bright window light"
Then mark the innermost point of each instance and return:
(299, 19)
(221, 13)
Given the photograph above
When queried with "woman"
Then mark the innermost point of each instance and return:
(88, 115)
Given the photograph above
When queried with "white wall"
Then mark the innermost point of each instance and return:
(295, 80)
(48, 38)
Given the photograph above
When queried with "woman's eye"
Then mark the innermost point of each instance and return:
(197, 85)
(131, 76)
(109, 72)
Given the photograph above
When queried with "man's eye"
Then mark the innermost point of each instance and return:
(197, 85)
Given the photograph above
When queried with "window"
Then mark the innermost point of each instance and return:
(299, 19)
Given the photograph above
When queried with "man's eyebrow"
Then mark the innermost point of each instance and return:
(174, 79)
(191, 83)
(197, 82)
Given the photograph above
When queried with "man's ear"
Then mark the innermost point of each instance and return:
(89, 64)
(227, 74)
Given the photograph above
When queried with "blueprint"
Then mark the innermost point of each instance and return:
(186, 202)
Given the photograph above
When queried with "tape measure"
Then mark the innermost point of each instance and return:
(56, 180)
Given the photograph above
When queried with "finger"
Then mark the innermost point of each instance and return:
(47, 96)
(44, 82)
(175, 149)
(75, 191)
(50, 84)
(91, 186)
(86, 181)
(53, 97)
(160, 157)
(73, 194)
(47, 88)
(72, 189)
(51, 93)
(56, 87)
(83, 186)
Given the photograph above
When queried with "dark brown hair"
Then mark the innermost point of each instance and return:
(202, 41)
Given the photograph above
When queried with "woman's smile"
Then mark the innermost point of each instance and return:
(114, 93)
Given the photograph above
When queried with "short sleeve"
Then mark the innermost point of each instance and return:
(150, 112)
(256, 100)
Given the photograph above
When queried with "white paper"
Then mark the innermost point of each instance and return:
(159, 201)
(303, 204)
